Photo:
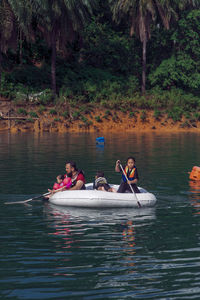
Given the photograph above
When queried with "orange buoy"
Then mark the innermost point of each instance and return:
(195, 174)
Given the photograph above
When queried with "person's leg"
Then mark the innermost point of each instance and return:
(127, 188)
(122, 188)
(135, 188)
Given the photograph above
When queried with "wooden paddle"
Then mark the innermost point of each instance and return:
(37, 197)
(139, 205)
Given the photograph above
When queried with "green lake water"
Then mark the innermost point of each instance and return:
(48, 252)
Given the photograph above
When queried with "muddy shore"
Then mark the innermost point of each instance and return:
(89, 119)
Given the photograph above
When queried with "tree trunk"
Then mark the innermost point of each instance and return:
(20, 46)
(144, 47)
(53, 62)
(0, 67)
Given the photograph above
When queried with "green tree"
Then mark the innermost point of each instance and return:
(182, 68)
(142, 13)
(60, 21)
(22, 10)
(8, 29)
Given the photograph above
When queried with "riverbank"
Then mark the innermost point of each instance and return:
(65, 118)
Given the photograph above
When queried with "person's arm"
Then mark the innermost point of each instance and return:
(117, 167)
(77, 186)
(135, 180)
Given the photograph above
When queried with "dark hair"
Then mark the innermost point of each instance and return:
(72, 165)
(130, 157)
(61, 177)
(100, 174)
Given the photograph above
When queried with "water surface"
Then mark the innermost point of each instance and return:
(48, 252)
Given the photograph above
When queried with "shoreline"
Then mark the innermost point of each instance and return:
(95, 120)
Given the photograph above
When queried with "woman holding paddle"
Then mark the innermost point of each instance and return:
(129, 176)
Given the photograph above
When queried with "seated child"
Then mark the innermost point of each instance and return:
(62, 182)
(101, 183)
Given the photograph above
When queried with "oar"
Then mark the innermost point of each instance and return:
(139, 205)
(28, 200)
(37, 197)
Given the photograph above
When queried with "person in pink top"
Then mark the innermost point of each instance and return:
(62, 182)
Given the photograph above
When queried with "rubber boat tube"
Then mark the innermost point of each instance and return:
(100, 199)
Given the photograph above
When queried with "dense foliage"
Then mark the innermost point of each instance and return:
(96, 59)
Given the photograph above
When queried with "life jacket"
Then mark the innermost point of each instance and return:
(131, 175)
(58, 186)
(67, 182)
(74, 180)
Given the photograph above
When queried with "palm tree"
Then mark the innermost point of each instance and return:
(142, 13)
(22, 10)
(8, 29)
(60, 21)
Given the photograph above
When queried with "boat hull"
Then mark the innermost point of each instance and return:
(99, 199)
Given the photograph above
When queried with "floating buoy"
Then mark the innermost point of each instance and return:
(100, 140)
(195, 173)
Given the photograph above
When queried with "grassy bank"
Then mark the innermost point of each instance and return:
(158, 110)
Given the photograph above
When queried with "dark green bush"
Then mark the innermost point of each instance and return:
(53, 112)
(33, 114)
(22, 111)
(143, 115)
(157, 114)
(98, 119)
(175, 113)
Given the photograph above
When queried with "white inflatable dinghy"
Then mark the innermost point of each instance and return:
(100, 199)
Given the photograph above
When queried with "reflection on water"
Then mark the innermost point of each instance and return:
(99, 216)
(194, 195)
(129, 249)
(92, 233)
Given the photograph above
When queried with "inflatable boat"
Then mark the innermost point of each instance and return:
(100, 199)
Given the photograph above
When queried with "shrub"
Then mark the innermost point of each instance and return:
(33, 114)
(22, 111)
(175, 113)
(98, 119)
(76, 115)
(84, 119)
(143, 116)
(157, 114)
(196, 116)
(123, 109)
(53, 112)
(186, 124)
(46, 97)
(186, 114)
(132, 114)
(115, 117)
(65, 114)
(41, 109)
(107, 114)
(30, 120)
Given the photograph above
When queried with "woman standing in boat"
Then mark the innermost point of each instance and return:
(77, 176)
(131, 174)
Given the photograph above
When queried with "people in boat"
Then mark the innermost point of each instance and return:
(77, 176)
(63, 182)
(131, 173)
(101, 183)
